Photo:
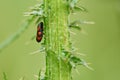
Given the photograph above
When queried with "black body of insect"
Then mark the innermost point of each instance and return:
(39, 32)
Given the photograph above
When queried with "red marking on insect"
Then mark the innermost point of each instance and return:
(39, 32)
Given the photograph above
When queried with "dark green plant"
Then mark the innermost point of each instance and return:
(59, 52)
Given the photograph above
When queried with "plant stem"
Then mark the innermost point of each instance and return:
(56, 39)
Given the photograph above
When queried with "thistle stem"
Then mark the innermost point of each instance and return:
(56, 39)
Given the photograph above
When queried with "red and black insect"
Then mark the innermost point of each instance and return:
(39, 32)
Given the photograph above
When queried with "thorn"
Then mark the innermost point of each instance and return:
(81, 54)
(77, 71)
(32, 53)
(36, 76)
(26, 14)
(89, 67)
(84, 32)
(75, 49)
(72, 33)
(88, 22)
(35, 52)
(86, 65)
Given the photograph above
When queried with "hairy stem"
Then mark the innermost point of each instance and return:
(56, 39)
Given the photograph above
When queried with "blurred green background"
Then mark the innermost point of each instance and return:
(101, 44)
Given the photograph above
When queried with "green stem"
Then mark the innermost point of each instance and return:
(13, 37)
(56, 39)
